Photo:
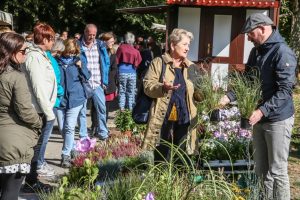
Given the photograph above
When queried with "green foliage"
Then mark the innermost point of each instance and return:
(210, 95)
(124, 122)
(79, 184)
(285, 20)
(247, 90)
(85, 175)
(72, 15)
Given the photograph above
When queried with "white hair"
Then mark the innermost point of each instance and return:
(129, 38)
(177, 35)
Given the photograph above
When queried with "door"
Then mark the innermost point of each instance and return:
(220, 34)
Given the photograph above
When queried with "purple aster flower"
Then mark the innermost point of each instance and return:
(150, 196)
(85, 144)
(217, 134)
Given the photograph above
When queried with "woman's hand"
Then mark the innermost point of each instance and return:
(169, 86)
(224, 101)
(78, 63)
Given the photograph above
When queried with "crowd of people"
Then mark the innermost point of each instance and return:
(52, 77)
(46, 76)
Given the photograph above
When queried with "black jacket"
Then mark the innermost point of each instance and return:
(113, 75)
(276, 63)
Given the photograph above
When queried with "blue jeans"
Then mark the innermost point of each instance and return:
(271, 142)
(67, 119)
(43, 141)
(127, 87)
(100, 109)
(82, 122)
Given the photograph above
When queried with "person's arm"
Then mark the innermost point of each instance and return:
(113, 67)
(152, 87)
(36, 74)
(285, 76)
(83, 70)
(22, 104)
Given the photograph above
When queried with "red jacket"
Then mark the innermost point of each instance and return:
(128, 54)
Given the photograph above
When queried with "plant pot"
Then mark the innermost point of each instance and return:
(245, 123)
(226, 162)
(241, 161)
(215, 115)
(213, 162)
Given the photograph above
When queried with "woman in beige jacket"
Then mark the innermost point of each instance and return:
(173, 113)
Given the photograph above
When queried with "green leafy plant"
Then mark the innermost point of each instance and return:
(208, 95)
(78, 184)
(124, 122)
(247, 91)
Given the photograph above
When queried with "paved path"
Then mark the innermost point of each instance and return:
(53, 152)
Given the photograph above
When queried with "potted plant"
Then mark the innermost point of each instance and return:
(124, 122)
(247, 91)
(208, 96)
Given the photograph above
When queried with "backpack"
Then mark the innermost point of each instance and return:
(141, 110)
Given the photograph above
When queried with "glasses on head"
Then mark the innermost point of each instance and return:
(23, 51)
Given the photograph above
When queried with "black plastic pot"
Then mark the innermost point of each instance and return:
(245, 123)
(215, 116)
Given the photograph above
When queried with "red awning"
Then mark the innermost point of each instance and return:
(227, 3)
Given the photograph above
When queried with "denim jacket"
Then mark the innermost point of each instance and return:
(104, 59)
(70, 79)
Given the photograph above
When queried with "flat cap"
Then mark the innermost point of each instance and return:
(256, 20)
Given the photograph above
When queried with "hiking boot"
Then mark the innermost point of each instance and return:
(66, 161)
(45, 170)
(37, 187)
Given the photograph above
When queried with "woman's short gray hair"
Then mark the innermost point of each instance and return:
(129, 38)
(177, 35)
(58, 46)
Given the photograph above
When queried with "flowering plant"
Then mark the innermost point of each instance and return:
(85, 144)
(116, 147)
(225, 139)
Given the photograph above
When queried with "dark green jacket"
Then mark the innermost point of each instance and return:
(19, 121)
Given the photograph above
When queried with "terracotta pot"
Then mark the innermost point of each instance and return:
(245, 123)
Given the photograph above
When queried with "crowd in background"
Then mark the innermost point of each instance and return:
(66, 76)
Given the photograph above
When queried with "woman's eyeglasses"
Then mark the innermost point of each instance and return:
(23, 51)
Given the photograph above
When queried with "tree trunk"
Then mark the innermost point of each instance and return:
(295, 28)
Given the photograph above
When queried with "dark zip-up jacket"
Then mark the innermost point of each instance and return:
(276, 63)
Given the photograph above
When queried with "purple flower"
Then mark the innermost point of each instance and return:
(85, 144)
(217, 134)
(150, 196)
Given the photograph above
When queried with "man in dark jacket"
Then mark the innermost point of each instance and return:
(274, 117)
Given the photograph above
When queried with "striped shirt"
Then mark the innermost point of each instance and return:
(93, 64)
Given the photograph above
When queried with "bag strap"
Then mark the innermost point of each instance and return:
(163, 70)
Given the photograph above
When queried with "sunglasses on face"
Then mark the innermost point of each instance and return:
(23, 51)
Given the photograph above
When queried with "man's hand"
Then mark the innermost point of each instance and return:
(255, 117)
(224, 101)
(169, 86)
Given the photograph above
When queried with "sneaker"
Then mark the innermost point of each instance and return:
(74, 154)
(37, 187)
(45, 170)
(66, 161)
